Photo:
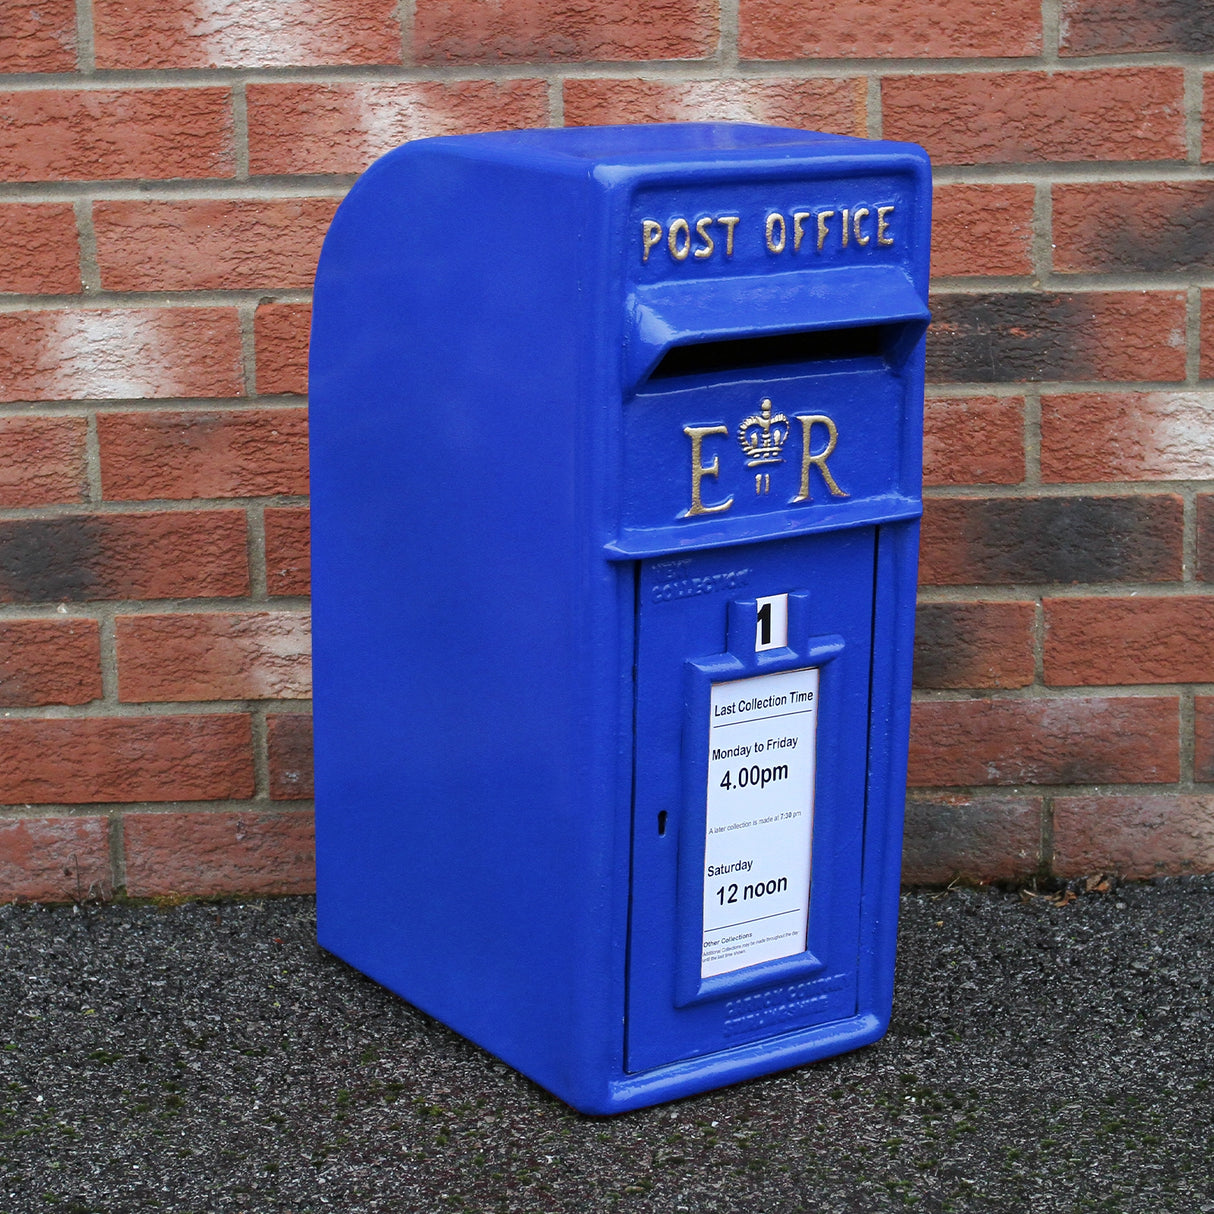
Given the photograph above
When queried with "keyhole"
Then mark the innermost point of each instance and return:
(661, 822)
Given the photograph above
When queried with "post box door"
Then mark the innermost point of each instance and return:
(751, 746)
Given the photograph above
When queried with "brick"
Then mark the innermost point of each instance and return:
(340, 127)
(1105, 641)
(563, 31)
(39, 251)
(193, 454)
(120, 353)
(1131, 113)
(1127, 436)
(219, 853)
(982, 229)
(1008, 541)
(289, 742)
(1205, 537)
(996, 337)
(1203, 739)
(974, 645)
(822, 104)
(971, 839)
(935, 29)
(42, 460)
(37, 37)
(114, 134)
(54, 859)
(114, 759)
(280, 335)
(253, 655)
(973, 440)
(88, 557)
(1112, 27)
(1154, 227)
(1138, 836)
(210, 244)
(288, 552)
(49, 662)
(1094, 740)
(141, 34)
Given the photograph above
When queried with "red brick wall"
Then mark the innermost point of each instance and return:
(168, 170)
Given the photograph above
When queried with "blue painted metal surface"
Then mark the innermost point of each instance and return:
(540, 532)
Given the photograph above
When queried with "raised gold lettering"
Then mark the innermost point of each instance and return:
(810, 460)
(729, 222)
(823, 216)
(651, 234)
(798, 228)
(859, 214)
(702, 226)
(775, 244)
(699, 470)
(679, 228)
(846, 229)
(882, 226)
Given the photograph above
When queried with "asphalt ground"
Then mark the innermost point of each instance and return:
(1046, 1054)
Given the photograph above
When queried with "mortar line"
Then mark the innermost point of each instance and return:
(1016, 593)
(1198, 310)
(246, 316)
(1059, 489)
(256, 546)
(261, 752)
(728, 51)
(106, 617)
(1193, 88)
(160, 505)
(86, 55)
(412, 71)
(1188, 745)
(406, 12)
(98, 710)
(282, 605)
(117, 848)
(1032, 439)
(1046, 694)
(86, 235)
(285, 606)
(88, 809)
(1189, 537)
(1042, 230)
(251, 296)
(336, 185)
(93, 495)
(1038, 643)
(1051, 31)
(240, 130)
(875, 116)
(1047, 834)
(556, 101)
(1193, 335)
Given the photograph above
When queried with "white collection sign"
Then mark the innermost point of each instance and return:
(761, 759)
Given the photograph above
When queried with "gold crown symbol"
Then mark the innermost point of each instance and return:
(762, 435)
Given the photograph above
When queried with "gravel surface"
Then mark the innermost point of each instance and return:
(209, 1058)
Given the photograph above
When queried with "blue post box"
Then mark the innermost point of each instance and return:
(616, 443)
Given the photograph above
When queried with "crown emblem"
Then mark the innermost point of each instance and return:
(762, 435)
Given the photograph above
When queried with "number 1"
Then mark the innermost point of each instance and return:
(771, 622)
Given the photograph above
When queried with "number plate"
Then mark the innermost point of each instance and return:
(759, 830)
